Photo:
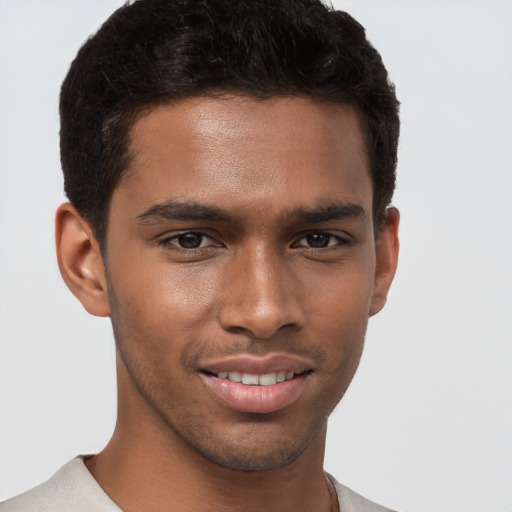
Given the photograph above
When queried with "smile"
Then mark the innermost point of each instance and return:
(253, 379)
(257, 385)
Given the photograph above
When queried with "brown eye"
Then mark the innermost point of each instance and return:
(318, 240)
(189, 240)
(321, 240)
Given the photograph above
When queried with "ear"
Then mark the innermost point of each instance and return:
(387, 246)
(80, 261)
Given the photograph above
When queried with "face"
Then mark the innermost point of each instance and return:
(241, 269)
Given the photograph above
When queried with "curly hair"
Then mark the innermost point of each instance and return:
(151, 52)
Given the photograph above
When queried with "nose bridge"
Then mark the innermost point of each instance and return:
(259, 295)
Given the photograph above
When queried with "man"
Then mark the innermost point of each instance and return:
(229, 167)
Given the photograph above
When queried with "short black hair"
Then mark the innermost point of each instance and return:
(150, 52)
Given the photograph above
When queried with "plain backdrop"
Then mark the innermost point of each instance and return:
(427, 423)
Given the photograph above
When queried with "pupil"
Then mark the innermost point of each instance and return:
(318, 240)
(190, 240)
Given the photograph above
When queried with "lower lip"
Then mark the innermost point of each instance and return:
(256, 399)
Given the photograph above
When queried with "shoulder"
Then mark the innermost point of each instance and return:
(350, 501)
(71, 488)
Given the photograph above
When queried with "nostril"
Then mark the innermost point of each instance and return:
(262, 301)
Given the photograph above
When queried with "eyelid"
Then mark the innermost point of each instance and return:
(343, 239)
(168, 238)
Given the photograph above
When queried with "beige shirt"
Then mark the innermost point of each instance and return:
(73, 489)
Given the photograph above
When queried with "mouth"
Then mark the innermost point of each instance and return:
(253, 379)
(256, 385)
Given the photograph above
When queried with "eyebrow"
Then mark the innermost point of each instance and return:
(329, 212)
(181, 211)
(191, 211)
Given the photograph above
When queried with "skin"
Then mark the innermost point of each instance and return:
(275, 272)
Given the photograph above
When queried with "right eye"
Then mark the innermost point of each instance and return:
(189, 240)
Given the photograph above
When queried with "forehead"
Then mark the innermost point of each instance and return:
(241, 151)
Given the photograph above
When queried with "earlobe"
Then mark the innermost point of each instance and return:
(386, 259)
(80, 261)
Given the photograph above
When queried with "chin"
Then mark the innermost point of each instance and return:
(241, 460)
(257, 447)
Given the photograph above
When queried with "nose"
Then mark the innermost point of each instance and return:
(260, 295)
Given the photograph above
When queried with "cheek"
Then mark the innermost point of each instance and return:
(160, 316)
(339, 306)
(342, 294)
(160, 305)
(166, 305)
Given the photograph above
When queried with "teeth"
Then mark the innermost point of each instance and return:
(253, 379)
(235, 377)
(268, 379)
(249, 378)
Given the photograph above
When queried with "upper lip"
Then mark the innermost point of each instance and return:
(269, 363)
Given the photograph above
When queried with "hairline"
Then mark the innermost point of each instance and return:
(129, 117)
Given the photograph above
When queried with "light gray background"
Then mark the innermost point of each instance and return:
(427, 423)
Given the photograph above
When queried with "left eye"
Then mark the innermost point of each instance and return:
(190, 240)
(319, 240)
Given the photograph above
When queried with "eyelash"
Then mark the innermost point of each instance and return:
(339, 241)
(169, 240)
